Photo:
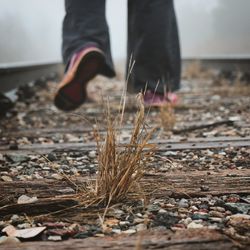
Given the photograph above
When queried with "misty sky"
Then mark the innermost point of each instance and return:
(31, 30)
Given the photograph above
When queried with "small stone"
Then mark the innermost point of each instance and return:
(6, 178)
(186, 221)
(183, 210)
(51, 157)
(117, 213)
(24, 199)
(183, 203)
(57, 176)
(200, 216)
(100, 235)
(71, 138)
(4, 240)
(213, 227)
(215, 97)
(55, 238)
(169, 205)
(238, 207)
(167, 220)
(138, 220)
(124, 223)
(92, 154)
(1, 157)
(19, 167)
(194, 208)
(169, 153)
(14, 218)
(204, 188)
(130, 231)
(139, 215)
(194, 225)
(153, 208)
(116, 231)
(216, 219)
(162, 211)
(141, 227)
(219, 209)
(241, 222)
(23, 226)
(216, 214)
(17, 158)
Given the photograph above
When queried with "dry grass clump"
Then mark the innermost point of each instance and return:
(167, 116)
(195, 70)
(229, 88)
(120, 167)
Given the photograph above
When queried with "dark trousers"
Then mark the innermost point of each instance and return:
(153, 40)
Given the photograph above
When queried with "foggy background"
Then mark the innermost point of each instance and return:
(31, 30)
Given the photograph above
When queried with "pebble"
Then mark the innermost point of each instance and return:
(4, 240)
(241, 222)
(14, 218)
(92, 154)
(138, 220)
(200, 216)
(162, 211)
(117, 213)
(194, 208)
(6, 178)
(1, 157)
(238, 207)
(216, 219)
(17, 158)
(169, 205)
(130, 231)
(194, 225)
(55, 238)
(216, 214)
(124, 223)
(57, 176)
(140, 227)
(139, 215)
(183, 203)
(19, 167)
(153, 208)
(24, 199)
(183, 210)
(23, 226)
(186, 221)
(116, 231)
(51, 157)
(214, 227)
(169, 153)
(219, 209)
(204, 188)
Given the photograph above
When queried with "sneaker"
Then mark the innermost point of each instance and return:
(157, 100)
(72, 90)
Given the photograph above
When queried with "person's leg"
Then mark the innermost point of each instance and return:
(86, 51)
(154, 44)
(85, 25)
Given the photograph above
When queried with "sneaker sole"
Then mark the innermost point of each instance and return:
(72, 90)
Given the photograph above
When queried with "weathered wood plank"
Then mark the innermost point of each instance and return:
(175, 185)
(162, 145)
(190, 239)
(78, 130)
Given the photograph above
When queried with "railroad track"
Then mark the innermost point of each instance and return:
(212, 168)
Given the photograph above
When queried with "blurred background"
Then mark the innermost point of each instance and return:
(31, 30)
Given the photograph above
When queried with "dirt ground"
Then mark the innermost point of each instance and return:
(195, 191)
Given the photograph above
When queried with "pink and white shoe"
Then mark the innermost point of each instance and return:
(72, 90)
(157, 100)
